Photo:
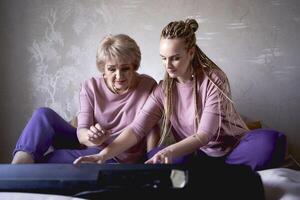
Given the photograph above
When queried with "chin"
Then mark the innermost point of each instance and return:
(172, 75)
(123, 87)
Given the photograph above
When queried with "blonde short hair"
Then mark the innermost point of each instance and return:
(120, 47)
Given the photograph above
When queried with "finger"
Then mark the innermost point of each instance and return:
(92, 139)
(156, 159)
(166, 160)
(150, 161)
(87, 159)
(97, 126)
(100, 161)
(90, 133)
(80, 160)
(100, 130)
(93, 129)
(94, 135)
(76, 161)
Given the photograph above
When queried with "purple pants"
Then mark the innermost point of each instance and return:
(260, 149)
(47, 129)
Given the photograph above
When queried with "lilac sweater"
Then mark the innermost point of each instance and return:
(183, 117)
(114, 112)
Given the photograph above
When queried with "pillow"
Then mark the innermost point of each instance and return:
(254, 125)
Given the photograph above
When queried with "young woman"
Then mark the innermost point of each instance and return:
(195, 102)
(108, 104)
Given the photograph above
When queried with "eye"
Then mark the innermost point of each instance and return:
(163, 58)
(111, 69)
(176, 58)
(125, 69)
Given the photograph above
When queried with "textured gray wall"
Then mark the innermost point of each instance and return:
(48, 48)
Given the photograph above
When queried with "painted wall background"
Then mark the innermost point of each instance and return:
(47, 48)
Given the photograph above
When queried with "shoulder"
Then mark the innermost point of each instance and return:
(91, 82)
(146, 83)
(91, 85)
(216, 76)
(148, 79)
(158, 91)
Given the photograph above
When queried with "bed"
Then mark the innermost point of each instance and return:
(281, 183)
(63, 179)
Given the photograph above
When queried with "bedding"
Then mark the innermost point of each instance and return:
(281, 183)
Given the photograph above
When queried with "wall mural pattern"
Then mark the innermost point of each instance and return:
(58, 69)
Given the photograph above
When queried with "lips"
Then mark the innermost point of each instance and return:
(171, 70)
(120, 82)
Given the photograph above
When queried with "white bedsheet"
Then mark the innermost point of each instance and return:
(281, 183)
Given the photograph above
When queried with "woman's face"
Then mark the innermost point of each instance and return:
(176, 59)
(118, 76)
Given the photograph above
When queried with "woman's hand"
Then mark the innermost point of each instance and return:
(164, 156)
(97, 135)
(95, 158)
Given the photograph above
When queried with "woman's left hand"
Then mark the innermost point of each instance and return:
(162, 157)
(97, 135)
(95, 158)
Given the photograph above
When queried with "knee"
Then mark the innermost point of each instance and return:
(273, 145)
(268, 138)
(43, 112)
(153, 151)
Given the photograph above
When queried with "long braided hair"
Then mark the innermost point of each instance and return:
(200, 64)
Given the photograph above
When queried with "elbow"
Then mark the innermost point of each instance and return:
(202, 138)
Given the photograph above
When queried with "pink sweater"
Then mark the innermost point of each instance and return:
(183, 117)
(114, 112)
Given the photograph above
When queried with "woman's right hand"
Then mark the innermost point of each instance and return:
(97, 135)
(94, 158)
(164, 156)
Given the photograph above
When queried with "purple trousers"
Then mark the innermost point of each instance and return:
(47, 129)
(260, 149)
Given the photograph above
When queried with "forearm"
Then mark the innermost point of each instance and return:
(153, 138)
(188, 145)
(123, 142)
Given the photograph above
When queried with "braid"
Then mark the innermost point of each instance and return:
(167, 85)
(195, 89)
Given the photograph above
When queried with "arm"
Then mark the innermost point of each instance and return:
(184, 147)
(212, 112)
(153, 138)
(123, 142)
(89, 133)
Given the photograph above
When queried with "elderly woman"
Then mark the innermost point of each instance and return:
(108, 104)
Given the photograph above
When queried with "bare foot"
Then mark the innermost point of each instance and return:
(22, 157)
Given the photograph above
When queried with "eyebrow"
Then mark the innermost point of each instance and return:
(122, 65)
(171, 55)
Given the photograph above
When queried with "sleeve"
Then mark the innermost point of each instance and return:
(86, 109)
(213, 111)
(149, 115)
